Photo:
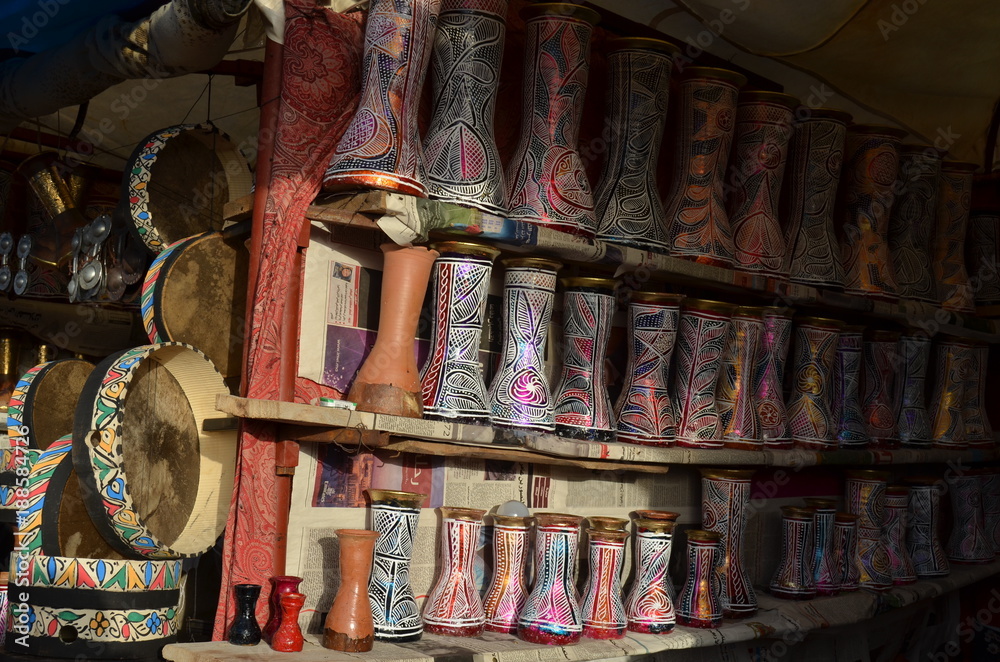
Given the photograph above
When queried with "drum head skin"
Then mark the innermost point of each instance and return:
(43, 404)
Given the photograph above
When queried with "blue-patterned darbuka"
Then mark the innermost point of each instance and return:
(848, 421)
(520, 396)
(825, 572)
(552, 615)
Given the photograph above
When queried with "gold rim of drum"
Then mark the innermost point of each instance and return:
(658, 515)
(868, 474)
(512, 521)
(642, 43)
(656, 297)
(834, 114)
(783, 312)
(465, 248)
(589, 281)
(797, 511)
(727, 474)
(824, 322)
(464, 514)
(846, 517)
(878, 130)
(757, 312)
(656, 525)
(766, 96)
(406, 499)
(558, 520)
(703, 536)
(607, 523)
(531, 263)
(821, 503)
(714, 73)
(563, 9)
(613, 535)
(710, 305)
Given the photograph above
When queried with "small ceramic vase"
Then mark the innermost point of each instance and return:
(848, 420)
(845, 544)
(978, 431)
(756, 171)
(769, 377)
(546, 179)
(697, 226)
(451, 381)
(951, 370)
(924, 519)
(552, 614)
(866, 499)
(349, 626)
(896, 524)
(508, 588)
(880, 360)
(520, 396)
(388, 381)
(982, 255)
(644, 412)
(394, 515)
(968, 542)
(453, 607)
(795, 579)
(912, 221)
(280, 585)
(814, 352)
(649, 607)
(288, 637)
(698, 604)
(815, 157)
(626, 201)
(725, 505)
(662, 516)
(738, 419)
(913, 425)
(603, 608)
(701, 341)
(951, 222)
(582, 406)
(825, 570)
(244, 630)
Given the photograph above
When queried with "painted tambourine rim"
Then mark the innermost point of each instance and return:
(152, 322)
(103, 476)
(9, 477)
(20, 409)
(136, 193)
(31, 529)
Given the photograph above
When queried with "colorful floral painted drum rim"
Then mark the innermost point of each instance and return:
(31, 517)
(10, 497)
(133, 608)
(136, 184)
(99, 436)
(146, 309)
(33, 394)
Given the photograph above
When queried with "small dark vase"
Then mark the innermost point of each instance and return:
(280, 585)
(244, 630)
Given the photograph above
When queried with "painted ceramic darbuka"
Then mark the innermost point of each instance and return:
(848, 420)
(451, 381)
(508, 588)
(701, 341)
(738, 418)
(453, 606)
(809, 416)
(866, 499)
(626, 201)
(913, 425)
(582, 406)
(756, 171)
(770, 374)
(662, 516)
(794, 579)
(982, 255)
(394, 515)
(695, 216)
(865, 204)
(879, 404)
(520, 396)
(603, 609)
(644, 412)
(725, 501)
(460, 152)
(698, 604)
(381, 147)
(649, 607)
(896, 525)
(815, 157)
(989, 485)
(845, 545)
(951, 370)
(969, 541)
(954, 201)
(978, 431)
(552, 614)
(912, 221)
(824, 563)
(546, 181)
(922, 536)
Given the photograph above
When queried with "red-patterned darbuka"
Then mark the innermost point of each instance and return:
(552, 613)
(453, 606)
(912, 221)
(879, 406)
(864, 206)
(662, 516)
(644, 413)
(825, 569)
(794, 579)
(815, 157)
(649, 606)
(896, 527)
(508, 588)
(989, 485)
(866, 499)
(546, 180)
(701, 340)
(603, 608)
(809, 405)
(924, 518)
(845, 545)
(954, 202)
(695, 215)
(734, 392)
(848, 419)
(969, 541)
(978, 431)
(582, 406)
(770, 374)
(698, 604)
(950, 378)
(725, 502)
(381, 147)
(913, 425)
(756, 171)
(982, 255)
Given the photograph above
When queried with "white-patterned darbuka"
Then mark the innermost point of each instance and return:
(866, 498)
(795, 579)
(968, 541)
(552, 613)
(701, 341)
(603, 609)
(453, 606)
(769, 378)
(896, 524)
(848, 421)
(725, 501)
(508, 588)
(649, 606)
(924, 519)
(809, 406)
(913, 425)
(825, 572)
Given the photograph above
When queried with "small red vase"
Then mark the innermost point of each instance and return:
(288, 637)
(280, 585)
